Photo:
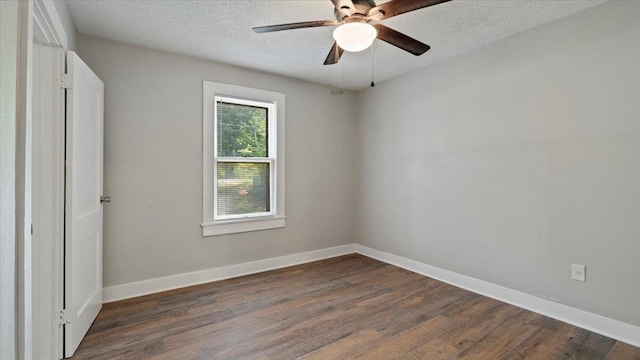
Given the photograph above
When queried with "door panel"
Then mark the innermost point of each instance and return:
(83, 229)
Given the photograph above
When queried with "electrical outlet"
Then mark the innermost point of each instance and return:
(578, 272)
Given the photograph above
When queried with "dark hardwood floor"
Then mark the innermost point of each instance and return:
(350, 307)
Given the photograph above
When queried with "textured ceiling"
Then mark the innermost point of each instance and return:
(221, 31)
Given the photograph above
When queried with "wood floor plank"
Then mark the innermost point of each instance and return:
(346, 348)
(434, 350)
(398, 346)
(350, 307)
(485, 320)
(622, 351)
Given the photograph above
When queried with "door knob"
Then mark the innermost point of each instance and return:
(105, 199)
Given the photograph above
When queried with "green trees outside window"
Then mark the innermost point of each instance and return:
(242, 130)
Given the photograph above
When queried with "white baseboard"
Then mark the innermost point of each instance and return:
(146, 287)
(614, 329)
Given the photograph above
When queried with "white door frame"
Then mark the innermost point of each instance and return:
(47, 26)
(45, 296)
(47, 201)
(15, 22)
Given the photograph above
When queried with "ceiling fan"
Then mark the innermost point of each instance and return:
(354, 31)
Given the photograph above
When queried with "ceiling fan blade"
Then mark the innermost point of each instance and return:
(299, 25)
(334, 55)
(401, 40)
(397, 7)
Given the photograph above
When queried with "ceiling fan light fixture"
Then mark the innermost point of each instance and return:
(355, 36)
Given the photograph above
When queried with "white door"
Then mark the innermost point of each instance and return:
(83, 206)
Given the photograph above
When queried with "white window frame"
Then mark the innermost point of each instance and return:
(212, 224)
(272, 139)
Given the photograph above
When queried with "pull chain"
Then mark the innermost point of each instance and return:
(372, 83)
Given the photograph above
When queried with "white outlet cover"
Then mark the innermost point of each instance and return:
(578, 272)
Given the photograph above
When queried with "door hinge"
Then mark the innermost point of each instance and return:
(31, 229)
(65, 81)
(64, 317)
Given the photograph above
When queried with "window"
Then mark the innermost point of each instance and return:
(243, 154)
(245, 157)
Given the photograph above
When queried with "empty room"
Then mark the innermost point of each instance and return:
(321, 179)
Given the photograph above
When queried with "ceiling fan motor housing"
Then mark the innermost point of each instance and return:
(358, 8)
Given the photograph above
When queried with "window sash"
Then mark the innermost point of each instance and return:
(272, 121)
(271, 159)
(272, 187)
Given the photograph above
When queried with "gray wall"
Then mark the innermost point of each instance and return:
(8, 74)
(512, 162)
(153, 164)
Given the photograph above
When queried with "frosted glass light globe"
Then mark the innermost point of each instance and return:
(355, 36)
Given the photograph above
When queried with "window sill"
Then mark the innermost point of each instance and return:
(242, 225)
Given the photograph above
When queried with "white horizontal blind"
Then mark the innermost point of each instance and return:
(243, 188)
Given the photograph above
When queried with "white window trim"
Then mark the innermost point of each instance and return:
(210, 225)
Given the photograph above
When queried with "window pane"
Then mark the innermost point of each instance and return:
(243, 188)
(242, 130)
